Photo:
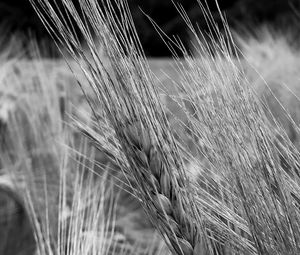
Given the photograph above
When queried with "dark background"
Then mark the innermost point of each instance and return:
(18, 15)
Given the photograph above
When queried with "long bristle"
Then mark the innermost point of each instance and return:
(220, 177)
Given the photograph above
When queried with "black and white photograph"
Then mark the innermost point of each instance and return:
(149, 127)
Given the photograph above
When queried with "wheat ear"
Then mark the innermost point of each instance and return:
(127, 92)
(164, 192)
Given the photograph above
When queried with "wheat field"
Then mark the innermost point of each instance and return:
(108, 152)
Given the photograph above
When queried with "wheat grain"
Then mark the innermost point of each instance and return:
(163, 190)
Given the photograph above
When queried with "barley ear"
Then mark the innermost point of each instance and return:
(164, 193)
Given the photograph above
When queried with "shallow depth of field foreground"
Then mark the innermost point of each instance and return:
(108, 152)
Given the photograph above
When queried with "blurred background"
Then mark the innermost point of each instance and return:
(18, 15)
